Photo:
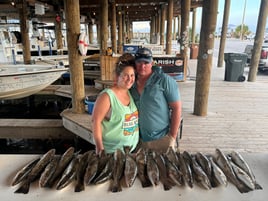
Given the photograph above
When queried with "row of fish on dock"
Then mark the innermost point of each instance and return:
(121, 168)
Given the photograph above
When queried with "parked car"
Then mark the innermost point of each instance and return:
(263, 63)
(250, 37)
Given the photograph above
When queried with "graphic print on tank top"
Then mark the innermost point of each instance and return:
(130, 124)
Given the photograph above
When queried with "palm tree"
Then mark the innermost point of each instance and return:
(245, 31)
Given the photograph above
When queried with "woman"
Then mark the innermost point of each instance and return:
(115, 115)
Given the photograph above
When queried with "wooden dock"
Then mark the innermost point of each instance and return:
(43, 128)
(237, 116)
(34, 129)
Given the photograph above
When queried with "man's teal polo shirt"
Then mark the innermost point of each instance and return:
(152, 104)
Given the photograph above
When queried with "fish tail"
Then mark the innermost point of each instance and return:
(167, 186)
(116, 187)
(79, 187)
(24, 188)
(49, 184)
(146, 184)
(258, 186)
(190, 184)
(213, 184)
(242, 188)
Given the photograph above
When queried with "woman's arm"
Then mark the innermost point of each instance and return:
(100, 110)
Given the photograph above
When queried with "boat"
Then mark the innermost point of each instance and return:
(57, 60)
(19, 81)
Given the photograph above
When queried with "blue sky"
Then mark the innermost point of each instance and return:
(236, 13)
(235, 17)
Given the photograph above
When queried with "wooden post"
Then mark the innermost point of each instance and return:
(113, 28)
(193, 25)
(131, 30)
(256, 53)
(24, 27)
(104, 26)
(72, 16)
(152, 29)
(90, 32)
(126, 29)
(162, 27)
(98, 31)
(169, 26)
(120, 32)
(179, 26)
(123, 27)
(174, 29)
(58, 34)
(185, 15)
(224, 32)
(157, 29)
(204, 64)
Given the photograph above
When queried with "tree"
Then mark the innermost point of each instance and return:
(245, 31)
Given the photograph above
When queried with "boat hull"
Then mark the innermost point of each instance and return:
(23, 81)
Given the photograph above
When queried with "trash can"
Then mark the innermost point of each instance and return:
(194, 51)
(90, 102)
(234, 66)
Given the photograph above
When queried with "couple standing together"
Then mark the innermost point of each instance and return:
(142, 109)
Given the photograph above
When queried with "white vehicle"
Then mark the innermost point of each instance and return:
(263, 63)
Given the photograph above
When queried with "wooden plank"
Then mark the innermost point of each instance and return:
(65, 90)
(33, 129)
(107, 67)
(79, 124)
(236, 119)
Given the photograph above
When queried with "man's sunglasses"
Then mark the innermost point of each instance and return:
(147, 56)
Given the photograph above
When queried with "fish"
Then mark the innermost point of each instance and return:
(49, 171)
(152, 169)
(92, 168)
(141, 161)
(117, 172)
(172, 156)
(200, 176)
(69, 173)
(186, 170)
(81, 169)
(22, 173)
(217, 175)
(205, 165)
(131, 169)
(65, 159)
(160, 161)
(240, 162)
(243, 176)
(173, 172)
(103, 160)
(106, 173)
(187, 157)
(36, 171)
(222, 161)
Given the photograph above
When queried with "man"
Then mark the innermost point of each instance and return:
(157, 97)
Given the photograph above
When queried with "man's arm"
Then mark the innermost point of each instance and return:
(175, 118)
